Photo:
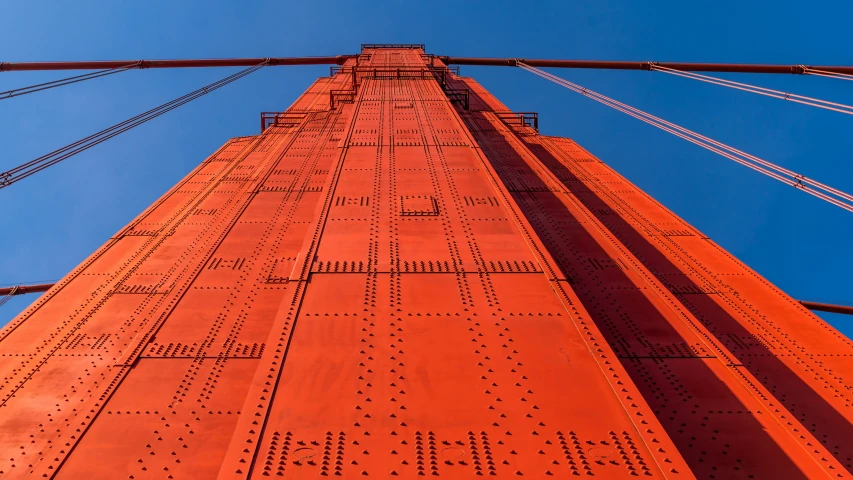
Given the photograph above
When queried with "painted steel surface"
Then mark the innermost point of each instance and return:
(401, 286)
(798, 69)
(24, 289)
(190, 63)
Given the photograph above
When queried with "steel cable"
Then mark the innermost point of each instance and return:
(20, 172)
(812, 187)
(824, 73)
(7, 297)
(795, 179)
(768, 92)
(65, 81)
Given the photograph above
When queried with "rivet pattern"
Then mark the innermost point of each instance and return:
(400, 278)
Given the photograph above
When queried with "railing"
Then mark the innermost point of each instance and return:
(386, 72)
(341, 96)
(290, 118)
(360, 73)
(459, 96)
(526, 119)
(392, 45)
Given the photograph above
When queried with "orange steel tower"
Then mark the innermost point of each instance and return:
(400, 278)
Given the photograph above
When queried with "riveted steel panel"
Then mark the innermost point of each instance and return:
(394, 281)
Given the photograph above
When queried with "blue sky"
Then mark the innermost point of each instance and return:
(52, 221)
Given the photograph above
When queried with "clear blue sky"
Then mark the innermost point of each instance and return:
(52, 221)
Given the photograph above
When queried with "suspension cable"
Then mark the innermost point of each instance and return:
(812, 187)
(20, 289)
(768, 92)
(65, 81)
(8, 296)
(827, 74)
(36, 165)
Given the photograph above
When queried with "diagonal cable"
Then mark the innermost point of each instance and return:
(824, 192)
(38, 164)
(824, 73)
(768, 92)
(65, 81)
(8, 296)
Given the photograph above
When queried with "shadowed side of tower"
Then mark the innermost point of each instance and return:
(400, 278)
